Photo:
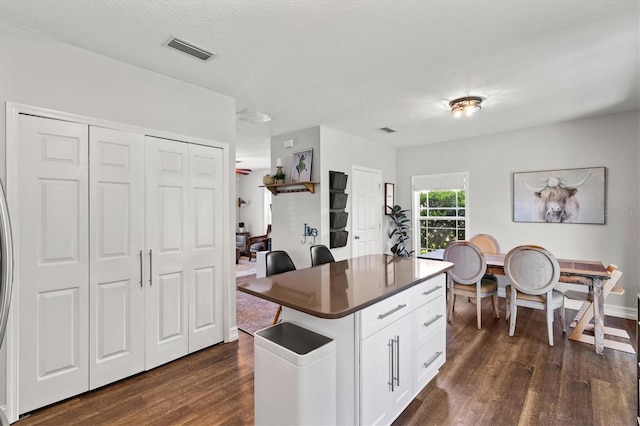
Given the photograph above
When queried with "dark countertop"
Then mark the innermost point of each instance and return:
(335, 290)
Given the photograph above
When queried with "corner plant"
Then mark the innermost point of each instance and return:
(400, 232)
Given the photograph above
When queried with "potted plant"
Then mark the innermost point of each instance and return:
(400, 231)
(279, 176)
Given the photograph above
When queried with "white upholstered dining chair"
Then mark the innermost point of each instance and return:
(533, 273)
(466, 277)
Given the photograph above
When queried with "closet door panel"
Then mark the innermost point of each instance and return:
(117, 241)
(168, 250)
(170, 289)
(206, 226)
(52, 261)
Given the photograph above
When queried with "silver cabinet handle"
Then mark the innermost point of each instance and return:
(390, 382)
(396, 309)
(432, 360)
(140, 268)
(436, 288)
(432, 320)
(397, 361)
(394, 363)
(150, 267)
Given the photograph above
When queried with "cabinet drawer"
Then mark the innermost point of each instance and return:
(428, 319)
(429, 290)
(429, 358)
(383, 313)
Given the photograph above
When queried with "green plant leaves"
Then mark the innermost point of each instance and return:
(400, 232)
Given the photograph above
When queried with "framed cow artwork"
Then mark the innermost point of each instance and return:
(560, 196)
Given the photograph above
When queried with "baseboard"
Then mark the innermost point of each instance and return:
(233, 334)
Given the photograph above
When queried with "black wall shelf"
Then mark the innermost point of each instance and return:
(337, 203)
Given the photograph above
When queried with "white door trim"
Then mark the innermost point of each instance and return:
(12, 112)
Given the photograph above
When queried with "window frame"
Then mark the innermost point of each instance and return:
(438, 182)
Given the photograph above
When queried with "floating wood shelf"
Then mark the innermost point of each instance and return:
(280, 188)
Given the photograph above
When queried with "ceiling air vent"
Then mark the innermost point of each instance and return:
(388, 130)
(190, 49)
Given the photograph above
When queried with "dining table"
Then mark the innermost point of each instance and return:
(586, 272)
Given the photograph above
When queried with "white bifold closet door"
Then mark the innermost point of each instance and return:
(53, 261)
(184, 231)
(117, 292)
(120, 257)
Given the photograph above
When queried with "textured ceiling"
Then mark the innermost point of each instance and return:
(357, 66)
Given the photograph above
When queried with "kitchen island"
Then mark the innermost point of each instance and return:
(387, 316)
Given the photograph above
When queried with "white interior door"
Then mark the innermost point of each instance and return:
(169, 246)
(205, 263)
(366, 211)
(117, 242)
(52, 261)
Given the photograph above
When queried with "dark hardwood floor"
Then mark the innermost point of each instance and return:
(489, 379)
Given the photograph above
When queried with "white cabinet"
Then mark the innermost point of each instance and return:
(402, 345)
(119, 266)
(429, 331)
(386, 367)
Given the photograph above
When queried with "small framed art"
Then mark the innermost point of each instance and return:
(301, 165)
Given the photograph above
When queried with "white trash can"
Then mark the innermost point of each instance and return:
(294, 377)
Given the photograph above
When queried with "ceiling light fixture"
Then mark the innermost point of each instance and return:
(253, 116)
(465, 106)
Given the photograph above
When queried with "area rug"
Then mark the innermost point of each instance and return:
(253, 313)
(244, 267)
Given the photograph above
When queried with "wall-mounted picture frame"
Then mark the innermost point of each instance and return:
(560, 196)
(389, 197)
(301, 165)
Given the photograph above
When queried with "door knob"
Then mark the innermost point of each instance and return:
(357, 237)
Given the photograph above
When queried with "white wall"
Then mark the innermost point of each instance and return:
(42, 72)
(333, 150)
(612, 141)
(291, 211)
(341, 151)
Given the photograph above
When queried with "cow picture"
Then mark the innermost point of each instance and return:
(560, 196)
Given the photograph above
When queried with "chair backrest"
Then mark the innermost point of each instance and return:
(320, 254)
(469, 262)
(531, 269)
(277, 262)
(486, 243)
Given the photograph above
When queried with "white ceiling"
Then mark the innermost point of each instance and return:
(357, 66)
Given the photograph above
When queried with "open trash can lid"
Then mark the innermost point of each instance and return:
(294, 343)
